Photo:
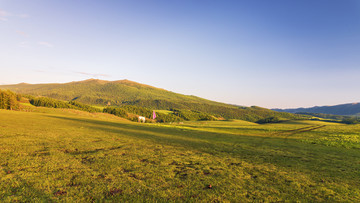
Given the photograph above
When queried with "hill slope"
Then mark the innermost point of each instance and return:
(116, 93)
(342, 109)
(94, 91)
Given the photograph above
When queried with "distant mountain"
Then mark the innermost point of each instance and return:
(342, 109)
(121, 92)
(102, 92)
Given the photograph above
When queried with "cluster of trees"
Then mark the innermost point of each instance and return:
(49, 102)
(147, 113)
(272, 119)
(351, 120)
(9, 100)
(83, 107)
(161, 117)
(116, 111)
(54, 103)
(189, 115)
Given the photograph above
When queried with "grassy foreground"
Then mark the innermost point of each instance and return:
(67, 155)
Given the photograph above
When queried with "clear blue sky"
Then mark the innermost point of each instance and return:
(269, 53)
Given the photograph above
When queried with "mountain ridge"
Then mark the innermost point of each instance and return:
(126, 92)
(25, 88)
(348, 109)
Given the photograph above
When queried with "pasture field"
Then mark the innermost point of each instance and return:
(163, 111)
(58, 155)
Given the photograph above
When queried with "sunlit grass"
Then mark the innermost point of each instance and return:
(57, 154)
(163, 111)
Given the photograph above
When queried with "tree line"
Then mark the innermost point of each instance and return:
(54, 103)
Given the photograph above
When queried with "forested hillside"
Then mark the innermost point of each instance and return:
(125, 92)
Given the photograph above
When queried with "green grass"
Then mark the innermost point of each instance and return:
(164, 111)
(67, 155)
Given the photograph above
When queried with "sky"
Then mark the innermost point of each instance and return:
(268, 53)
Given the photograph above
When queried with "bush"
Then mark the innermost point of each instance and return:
(116, 111)
(84, 107)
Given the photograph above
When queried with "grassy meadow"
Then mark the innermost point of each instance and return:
(54, 155)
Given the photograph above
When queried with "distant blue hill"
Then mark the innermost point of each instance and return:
(342, 109)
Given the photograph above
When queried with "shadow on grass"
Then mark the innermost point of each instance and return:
(234, 129)
(91, 151)
(281, 152)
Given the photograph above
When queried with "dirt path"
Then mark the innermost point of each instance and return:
(288, 133)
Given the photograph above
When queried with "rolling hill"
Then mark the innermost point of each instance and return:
(342, 109)
(125, 92)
